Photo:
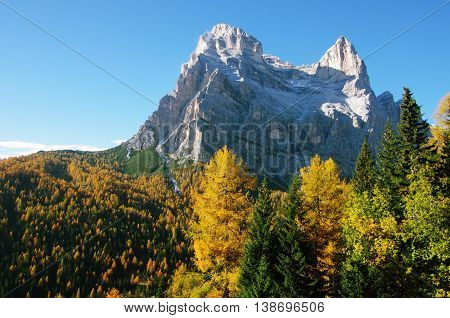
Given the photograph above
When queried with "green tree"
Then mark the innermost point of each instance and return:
(414, 132)
(293, 279)
(371, 238)
(425, 236)
(364, 174)
(187, 284)
(256, 277)
(389, 175)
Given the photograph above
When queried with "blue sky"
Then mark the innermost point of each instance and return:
(51, 98)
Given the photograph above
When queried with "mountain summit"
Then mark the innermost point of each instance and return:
(273, 114)
(343, 57)
(225, 40)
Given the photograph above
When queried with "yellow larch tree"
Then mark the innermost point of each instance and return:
(113, 293)
(442, 118)
(324, 197)
(441, 141)
(222, 208)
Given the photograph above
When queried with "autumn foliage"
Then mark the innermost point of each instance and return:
(324, 199)
(78, 225)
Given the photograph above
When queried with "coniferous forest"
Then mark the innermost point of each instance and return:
(76, 224)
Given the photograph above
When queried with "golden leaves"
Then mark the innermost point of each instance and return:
(222, 208)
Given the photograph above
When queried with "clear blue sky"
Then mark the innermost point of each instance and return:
(51, 96)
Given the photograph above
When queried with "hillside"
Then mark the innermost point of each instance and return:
(80, 227)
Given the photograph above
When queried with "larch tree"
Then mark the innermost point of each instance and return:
(222, 208)
(324, 198)
(442, 118)
(441, 142)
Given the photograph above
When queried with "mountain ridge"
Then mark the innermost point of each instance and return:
(273, 114)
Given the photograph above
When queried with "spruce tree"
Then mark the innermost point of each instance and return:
(414, 132)
(292, 279)
(364, 174)
(389, 171)
(257, 265)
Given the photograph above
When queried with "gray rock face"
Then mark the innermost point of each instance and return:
(273, 114)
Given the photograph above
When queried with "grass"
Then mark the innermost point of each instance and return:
(143, 162)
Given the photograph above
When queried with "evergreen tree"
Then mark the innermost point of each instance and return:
(389, 169)
(256, 277)
(364, 173)
(293, 279)
(388, 164)
(414, 132)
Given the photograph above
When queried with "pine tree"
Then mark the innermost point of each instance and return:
(414, 132)
(257, 266)
(364, 174)
(292, 276)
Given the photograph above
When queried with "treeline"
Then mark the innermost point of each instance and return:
(75, 225)
(383, 234)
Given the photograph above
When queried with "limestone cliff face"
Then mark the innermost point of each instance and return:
(273, 114)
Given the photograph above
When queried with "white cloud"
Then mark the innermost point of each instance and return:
(118, 141)
(22, 148)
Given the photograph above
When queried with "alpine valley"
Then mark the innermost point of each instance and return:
(253, 178)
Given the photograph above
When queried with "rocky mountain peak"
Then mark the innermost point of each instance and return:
(223, 29)
(342, 60)
(273, 114)
(225, 40)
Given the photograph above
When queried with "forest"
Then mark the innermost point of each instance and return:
(78, 224)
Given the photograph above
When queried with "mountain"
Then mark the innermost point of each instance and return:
(273, 114)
